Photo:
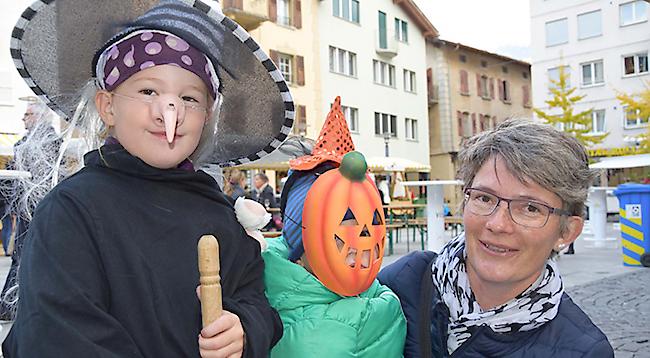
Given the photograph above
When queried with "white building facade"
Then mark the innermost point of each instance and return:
(604, 45)
(373, 55)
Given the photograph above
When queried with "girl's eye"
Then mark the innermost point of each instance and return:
(147, 91)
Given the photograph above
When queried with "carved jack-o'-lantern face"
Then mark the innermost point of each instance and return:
(343, 228)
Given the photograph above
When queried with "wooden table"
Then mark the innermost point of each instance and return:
(393, 224)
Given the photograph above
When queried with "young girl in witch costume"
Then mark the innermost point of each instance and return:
(110, 262)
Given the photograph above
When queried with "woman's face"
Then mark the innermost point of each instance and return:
(501, 252)
(134, 124)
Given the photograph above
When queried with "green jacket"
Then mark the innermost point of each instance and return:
(319, 323)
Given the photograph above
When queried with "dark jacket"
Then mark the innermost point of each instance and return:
(110, 265)
(570, 334)
(266, 196)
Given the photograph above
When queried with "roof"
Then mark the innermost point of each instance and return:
(422, 22)
(458, 45)
(626, 161)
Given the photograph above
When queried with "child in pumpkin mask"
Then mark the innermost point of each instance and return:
(110, 261)
(320, 275)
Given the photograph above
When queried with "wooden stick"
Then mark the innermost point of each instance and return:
(210, 280)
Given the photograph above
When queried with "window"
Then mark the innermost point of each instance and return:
(343, 62)
(284, 12)
(352, 117)
(401, 30)
(633, 12)
(409, 81)
(589, 25)
(346, 9)
(465, 125)
(592, 73)
(484, 63)
(633, 120)
(385, 123)
(483, 87)
(598, 121)
(635, 64)
(504, 91)
(464, 83)
(524, 75)
(383, 36)
(411, 128)
(557, 32)
(384, 73)
(504, 69)
(554, 75)
(284, 64)
(462, 58)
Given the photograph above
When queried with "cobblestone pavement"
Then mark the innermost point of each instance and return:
(620, 306)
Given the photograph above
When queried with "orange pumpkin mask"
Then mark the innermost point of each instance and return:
(343, 227)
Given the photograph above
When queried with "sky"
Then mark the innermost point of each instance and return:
(499, 26)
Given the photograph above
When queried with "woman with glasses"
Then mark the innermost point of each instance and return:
(495, 290)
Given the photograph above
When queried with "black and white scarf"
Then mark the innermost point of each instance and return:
(529, 310)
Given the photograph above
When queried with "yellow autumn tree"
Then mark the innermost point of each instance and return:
(637, 105)
(564, 98)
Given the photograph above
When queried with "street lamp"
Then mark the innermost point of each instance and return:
(386, 139)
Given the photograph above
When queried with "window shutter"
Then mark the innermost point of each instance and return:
(273, 10)
(526, 91)
(300, 70)
(459, 114)
(492, 88)
(430, 82)
(494, 122)
(297, 14)
(502, 95)
(274, 57)
(473, 123)
(301, 123)
(464, 83)
(478, 85)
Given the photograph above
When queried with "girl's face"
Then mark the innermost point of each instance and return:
(133, 122)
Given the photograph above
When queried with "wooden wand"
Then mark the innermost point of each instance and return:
(209, 278)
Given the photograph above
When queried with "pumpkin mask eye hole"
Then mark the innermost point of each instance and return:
(376, 251)
(339, 243)
(376, 219)
(349, 219)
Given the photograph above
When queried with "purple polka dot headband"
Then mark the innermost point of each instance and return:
(147, 48)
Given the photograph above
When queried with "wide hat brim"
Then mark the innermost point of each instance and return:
(54, 42)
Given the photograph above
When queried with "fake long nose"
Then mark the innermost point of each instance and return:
(171, 110)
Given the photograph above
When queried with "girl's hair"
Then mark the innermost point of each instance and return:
(235, 177)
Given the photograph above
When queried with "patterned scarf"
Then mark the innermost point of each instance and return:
(529, 310)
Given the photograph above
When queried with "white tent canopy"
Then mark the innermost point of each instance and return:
(626, 161)
(395, 164)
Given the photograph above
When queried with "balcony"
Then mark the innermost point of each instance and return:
(432, 94)
(247, 13)
(386, 45)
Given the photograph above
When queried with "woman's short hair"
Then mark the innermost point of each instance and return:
(536, 152)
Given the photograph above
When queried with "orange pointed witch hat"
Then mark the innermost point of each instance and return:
(333, 142)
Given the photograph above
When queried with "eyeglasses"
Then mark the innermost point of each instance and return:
(528, 213)
(149, 100)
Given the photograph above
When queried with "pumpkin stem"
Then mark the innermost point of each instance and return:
(354, 166)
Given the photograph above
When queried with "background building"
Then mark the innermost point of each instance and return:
(469, 91)
(604, 46)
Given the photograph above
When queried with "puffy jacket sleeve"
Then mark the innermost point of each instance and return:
(261, 323)
(383, 329)
(404, 277)
(63, 307)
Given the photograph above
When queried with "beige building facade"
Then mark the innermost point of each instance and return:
(469, 91)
